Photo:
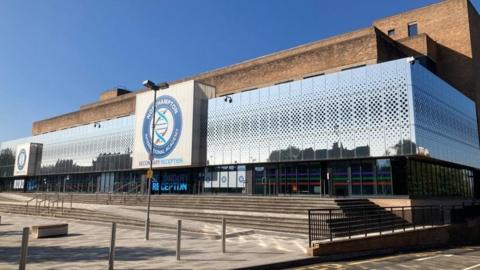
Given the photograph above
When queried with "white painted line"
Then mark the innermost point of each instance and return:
(471, 267)
(432, 257)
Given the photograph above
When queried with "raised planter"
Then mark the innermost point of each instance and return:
(41, 231)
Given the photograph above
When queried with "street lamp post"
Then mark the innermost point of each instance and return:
(64, 182)
(151, 85)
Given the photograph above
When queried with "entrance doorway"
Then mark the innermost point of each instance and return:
(266, 181)
(288, 179)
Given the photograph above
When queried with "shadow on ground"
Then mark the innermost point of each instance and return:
(88, 253)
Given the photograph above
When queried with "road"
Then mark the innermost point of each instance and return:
(465, 258)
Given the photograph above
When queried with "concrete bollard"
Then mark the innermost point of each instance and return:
(224, 234)
(179, 238)
(111, 255)
(24, 249)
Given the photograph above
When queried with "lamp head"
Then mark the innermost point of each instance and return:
(152, 86)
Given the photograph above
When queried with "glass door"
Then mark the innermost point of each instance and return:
(340, 179)
(272, 181)
(266, 181)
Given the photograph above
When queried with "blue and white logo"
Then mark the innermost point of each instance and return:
(21, 159)
(241, 179)
(168, 126)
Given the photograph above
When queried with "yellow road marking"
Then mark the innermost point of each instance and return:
(373, 260)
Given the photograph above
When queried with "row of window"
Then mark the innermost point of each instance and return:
(433, 180)
(412, 29)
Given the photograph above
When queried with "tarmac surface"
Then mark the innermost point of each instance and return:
(463, 258)
(87, 247)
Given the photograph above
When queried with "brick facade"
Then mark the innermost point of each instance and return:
(449, 34)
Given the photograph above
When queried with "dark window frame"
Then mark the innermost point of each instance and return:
(412, 29)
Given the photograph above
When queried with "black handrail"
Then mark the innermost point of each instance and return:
(331, 224)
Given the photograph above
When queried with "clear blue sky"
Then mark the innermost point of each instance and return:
(56, 55)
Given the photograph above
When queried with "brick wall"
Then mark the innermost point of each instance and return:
(447, 24)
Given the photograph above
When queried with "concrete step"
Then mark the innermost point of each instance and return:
(88, 215)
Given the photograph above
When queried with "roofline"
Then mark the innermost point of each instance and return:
(415, 10)
(277, 54)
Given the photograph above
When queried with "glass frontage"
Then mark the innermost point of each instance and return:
(106, 146)
(426, 179)
(340, 178)
(230, 179)
(87, 183)
(445, 120)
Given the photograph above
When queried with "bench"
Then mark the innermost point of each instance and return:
(50, 230)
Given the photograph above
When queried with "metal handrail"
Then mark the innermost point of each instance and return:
(331, 223)
(28, 202)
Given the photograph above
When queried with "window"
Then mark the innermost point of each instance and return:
(412, 29)
(391, 32)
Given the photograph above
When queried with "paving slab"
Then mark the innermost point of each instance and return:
(87, 248)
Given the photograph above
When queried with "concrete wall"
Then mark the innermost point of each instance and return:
(393, 202)
(458, 234)
(413, 239)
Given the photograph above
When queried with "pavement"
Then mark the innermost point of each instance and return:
(87, 247)
(460, 258)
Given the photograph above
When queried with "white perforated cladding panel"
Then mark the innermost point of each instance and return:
(445, 120)
(354, 113)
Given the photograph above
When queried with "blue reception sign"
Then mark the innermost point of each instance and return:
(155, 185)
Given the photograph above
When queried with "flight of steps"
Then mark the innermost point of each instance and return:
(280, 214)
(78, 214)
(369, 218)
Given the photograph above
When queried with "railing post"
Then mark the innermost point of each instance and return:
(442, 220)
(309, 230)
(431, 216)
(403, 218)
(348, 228)
(24, 249)
(111, 255)
(413, 215)
(224, 234)
(423, 217)
(380, 223)
(393, 219)
(179, 238)
(62, 205)
(71, 201)
(330, 223)
(363, 218)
